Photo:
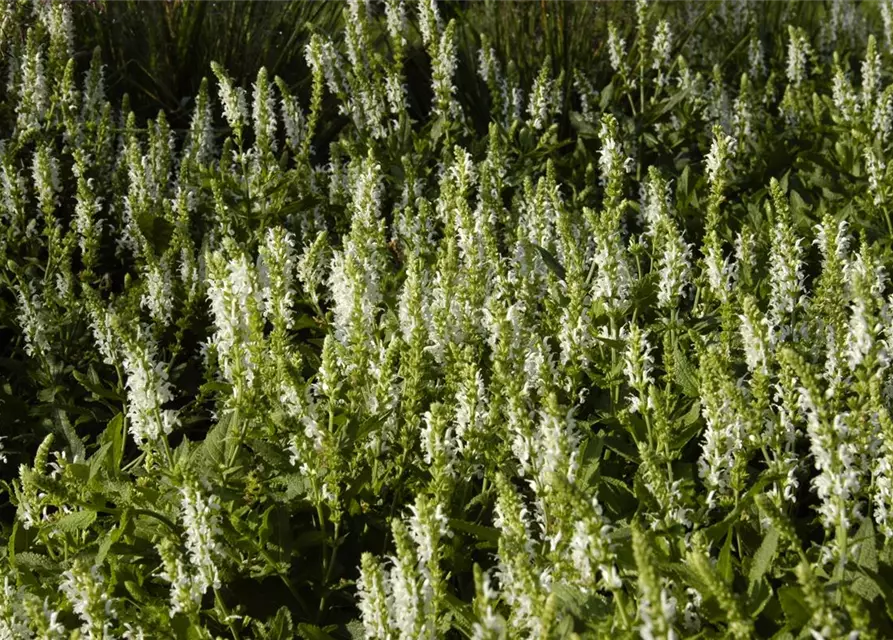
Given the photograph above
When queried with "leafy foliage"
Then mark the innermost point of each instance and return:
(447, 341)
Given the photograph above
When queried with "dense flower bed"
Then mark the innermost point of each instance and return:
(611, 358)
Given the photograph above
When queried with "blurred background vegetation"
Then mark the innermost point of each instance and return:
(158, 51)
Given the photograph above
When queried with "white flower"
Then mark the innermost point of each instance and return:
(148, 390)
(395, 19)
(638, 358)
(186, 592)
(798, 51)
(661, 47)
(373, 591)
(674, 265)
(33, 319)
(876, 170)
(237, 306)
(201, 520)
(429, 20)
(616, 49)
(158, 297)
(85, 589)
(235, 108)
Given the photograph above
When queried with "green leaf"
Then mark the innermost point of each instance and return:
(74, 441)
(762, 559)
(867, 541)
(881, 584)
(682, 185)
(98, 460)
(692, 426)
(582, 126)
(312, 632)
(34, 561)
(108, 540)
(281, 626)
(759, 597)
(115, 436)
(222, 388)
(796, 611)
(693, 414)
(724, 563)
(591, 458)
(685, 374)
(75, 521)
(487, 534)
(653, 115)
(92, 383)
(157, 230)
(356, 630)
(551, 262)
(463, 619)
(213, 450)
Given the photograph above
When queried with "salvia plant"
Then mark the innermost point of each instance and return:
(438, 343)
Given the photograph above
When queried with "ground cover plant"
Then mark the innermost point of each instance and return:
(484, 321)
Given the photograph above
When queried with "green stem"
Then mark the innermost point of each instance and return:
(226, 612)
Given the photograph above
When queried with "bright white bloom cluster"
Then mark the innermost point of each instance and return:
(32, 319)
(374, 598)
(542, 99)
(201, 521)
(755, 336)
(875, 167)
(675, 266)
(185, 592)
(235, 107)
(86, 591)
(277, 277)
(616, 49)
(148, 390)
(429, 21)
(798, 52)
(45, 169)
(661, 48)
(722, 149)
(785, 275)
(237, 305)
(611, 155)
(159, 297)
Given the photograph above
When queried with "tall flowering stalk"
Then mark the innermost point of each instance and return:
(148, 389)
(786, 270)
(237, 306)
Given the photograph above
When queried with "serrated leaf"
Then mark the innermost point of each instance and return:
(281, 626)
(98, 459)
(583, 128)
(462, 616)
(295, 485)
(107, 541)
(213, 450)
(75, 521)
(34, 561)
(685, 374)
(762, 559)
(356, 630)
(157, 230)
(865, 537)
(881, 584)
